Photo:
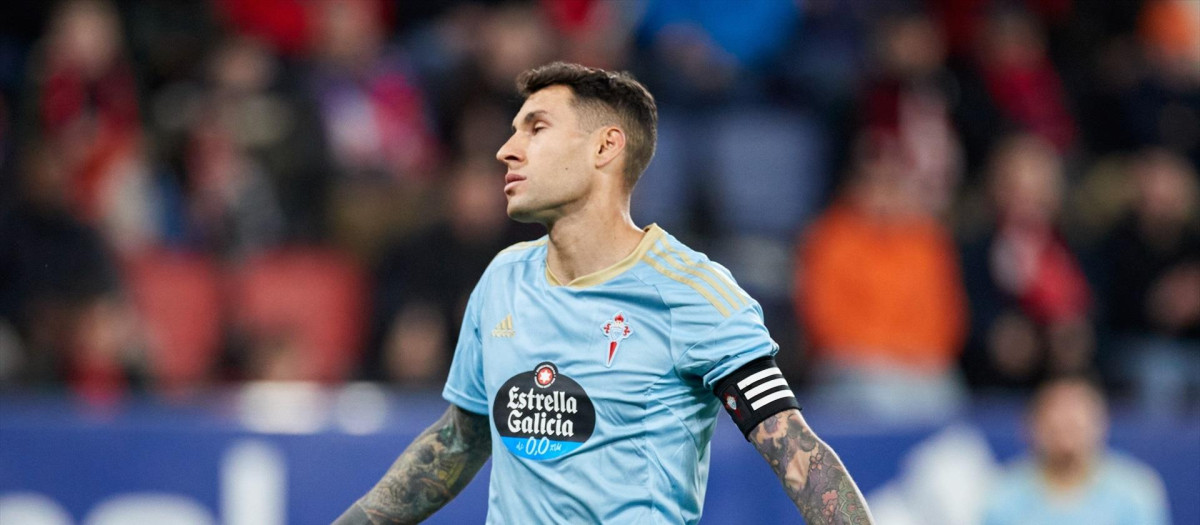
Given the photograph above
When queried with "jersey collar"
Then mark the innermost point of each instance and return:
(653, 234)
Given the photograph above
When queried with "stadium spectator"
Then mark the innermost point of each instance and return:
(1070, 477)
(233, 207)
(374, 113)
(1152, 296)
(384, 149)
(61, 289)
(701, 55)
(465, 57)
(964, 21)
(1030, 303)
(254, 163)
(284, 25)
(1021, 80)
(587, 29)
(909, 99)
(879, 291)
(1009, 85)
(87, 110)
(823, 65)
(512, 37)
(1163, 106)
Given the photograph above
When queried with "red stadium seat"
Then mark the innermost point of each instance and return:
(307, 306)
(178, 300)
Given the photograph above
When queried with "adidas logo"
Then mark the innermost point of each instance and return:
(505, 328)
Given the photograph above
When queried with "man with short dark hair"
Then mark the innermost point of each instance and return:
(592, 362)
(1070, 477)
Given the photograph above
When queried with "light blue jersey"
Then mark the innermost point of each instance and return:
(1120, 491)
(600, 391)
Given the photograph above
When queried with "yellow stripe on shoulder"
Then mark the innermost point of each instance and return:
(523, 246)
(723, 277)
(729, 285)
(696, 273)
(699, 288)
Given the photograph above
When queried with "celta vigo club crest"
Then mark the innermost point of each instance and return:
(615, 330)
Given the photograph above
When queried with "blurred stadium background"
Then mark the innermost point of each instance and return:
(236, 236)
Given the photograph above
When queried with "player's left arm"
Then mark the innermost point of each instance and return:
(761, 403)
(809, 470)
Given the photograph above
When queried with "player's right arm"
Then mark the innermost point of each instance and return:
(429, 473)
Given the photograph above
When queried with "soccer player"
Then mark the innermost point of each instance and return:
(592, 362)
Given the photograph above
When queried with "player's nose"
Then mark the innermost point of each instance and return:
(510, 154)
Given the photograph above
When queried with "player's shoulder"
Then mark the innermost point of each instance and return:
(516, 259)
(688, 278)
(525, 251)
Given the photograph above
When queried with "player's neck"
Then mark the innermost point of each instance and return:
(589, 241)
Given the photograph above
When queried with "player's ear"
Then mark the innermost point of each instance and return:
(610, 145)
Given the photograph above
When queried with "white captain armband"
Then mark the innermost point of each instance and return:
(755, 392)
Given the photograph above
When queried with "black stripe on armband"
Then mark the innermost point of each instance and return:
(755, 392)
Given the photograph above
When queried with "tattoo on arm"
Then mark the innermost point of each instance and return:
(811, 473)
(429, 473)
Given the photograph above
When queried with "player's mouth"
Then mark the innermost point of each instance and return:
(511, 180)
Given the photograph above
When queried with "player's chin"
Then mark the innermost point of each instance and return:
(520, 213)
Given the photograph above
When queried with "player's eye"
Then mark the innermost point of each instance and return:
(538, 128)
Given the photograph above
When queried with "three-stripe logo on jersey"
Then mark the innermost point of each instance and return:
(504, 328)
(763, 387)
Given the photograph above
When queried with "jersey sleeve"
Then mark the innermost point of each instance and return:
(735, 361)
(727, 346)
(464, 386)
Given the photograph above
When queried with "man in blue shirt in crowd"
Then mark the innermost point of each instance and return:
(592, 363)
(1070, 479)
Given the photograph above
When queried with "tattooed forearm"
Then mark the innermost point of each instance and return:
(811, 473)
(429, 473)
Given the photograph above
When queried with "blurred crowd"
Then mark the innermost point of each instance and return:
(930, 198)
